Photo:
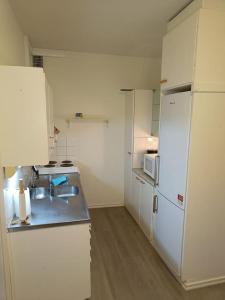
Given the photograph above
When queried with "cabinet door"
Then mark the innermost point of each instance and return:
(129, 122)
(179, 47)
(50, 117)
(128, 182)
(128, 155)
(142, 113)
(168, 232)
(146, 208)
(54, 270)
(23, 119)
(136, 191)
(49, 103)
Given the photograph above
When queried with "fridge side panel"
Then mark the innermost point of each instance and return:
(204, 239)
(175, 121)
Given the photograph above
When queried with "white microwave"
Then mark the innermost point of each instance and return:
(150, 164)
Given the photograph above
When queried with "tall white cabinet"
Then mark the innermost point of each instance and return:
(189, 223)
(138, 118)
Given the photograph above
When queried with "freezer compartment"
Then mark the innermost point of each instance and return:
(168, 232)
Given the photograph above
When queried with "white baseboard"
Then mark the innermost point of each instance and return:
(105, 205)
(203, 283)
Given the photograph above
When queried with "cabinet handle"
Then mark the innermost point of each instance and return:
(129, 153)
(163, 81)
(137, 178)
(155, 204)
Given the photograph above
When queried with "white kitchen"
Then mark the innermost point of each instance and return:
(112, 153)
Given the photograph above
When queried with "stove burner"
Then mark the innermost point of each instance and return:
(66, 162)
(66, 165)
(49, 166)
(52, 162)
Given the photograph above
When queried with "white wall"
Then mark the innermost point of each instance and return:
(11, 53)
(11, 37)
(91, 83)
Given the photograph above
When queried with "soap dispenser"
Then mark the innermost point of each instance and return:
(22, 202)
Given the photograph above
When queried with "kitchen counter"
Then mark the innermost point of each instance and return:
(140, 172)
(54, 211)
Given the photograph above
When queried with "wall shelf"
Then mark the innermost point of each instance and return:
(88, 118)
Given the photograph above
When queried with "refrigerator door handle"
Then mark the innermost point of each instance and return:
(157, 161)
(155, 204)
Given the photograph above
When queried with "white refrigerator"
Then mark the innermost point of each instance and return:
(170, 196)
(189, 206)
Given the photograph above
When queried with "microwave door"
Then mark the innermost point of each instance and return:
(149, 165)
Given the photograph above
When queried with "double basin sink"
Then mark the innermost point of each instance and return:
(65, 191)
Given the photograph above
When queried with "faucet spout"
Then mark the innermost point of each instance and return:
(35, 175)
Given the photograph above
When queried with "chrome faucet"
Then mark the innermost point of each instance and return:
(35, 175)
(50, 185)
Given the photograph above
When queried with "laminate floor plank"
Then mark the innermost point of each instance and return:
(126, 267)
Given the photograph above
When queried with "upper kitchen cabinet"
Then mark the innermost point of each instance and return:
(178, 54)
(194, 47)
(23, 116)
(210, 59)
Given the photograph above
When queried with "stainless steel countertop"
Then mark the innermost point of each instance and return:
(53, 211)
(140, 172)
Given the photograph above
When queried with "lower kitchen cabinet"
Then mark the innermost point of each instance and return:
(135, 196)
(146, 201)
(51, 263)
(140, 204)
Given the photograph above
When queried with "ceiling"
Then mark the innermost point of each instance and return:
(121, 27)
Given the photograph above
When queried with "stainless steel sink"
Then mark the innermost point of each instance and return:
(65, 191)
(40, 193)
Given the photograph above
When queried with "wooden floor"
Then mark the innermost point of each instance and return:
(126, 267)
